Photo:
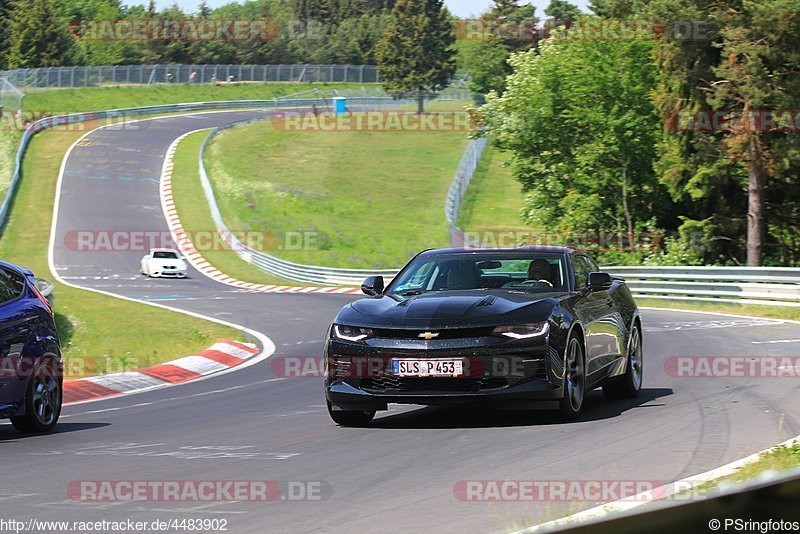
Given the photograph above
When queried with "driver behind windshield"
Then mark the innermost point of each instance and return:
(539, 271)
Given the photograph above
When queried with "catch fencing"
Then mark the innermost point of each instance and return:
(83, 76)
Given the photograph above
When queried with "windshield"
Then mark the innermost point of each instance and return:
(451, 272)
(165, 255)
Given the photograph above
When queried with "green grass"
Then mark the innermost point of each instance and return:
(494, 199)
(772, 312)
(781, 458)
(190, 201)
(777, 459)
(116, 97)
(9, 142)
(89, 323)
(370, 199)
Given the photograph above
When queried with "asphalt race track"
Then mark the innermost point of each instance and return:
(397, 475)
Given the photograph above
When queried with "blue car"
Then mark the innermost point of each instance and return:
(31, 368)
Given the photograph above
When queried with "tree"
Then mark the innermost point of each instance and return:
(582, 129)
(510, 9)
(38, 37)
(486, 60)
(748, 65)
(415, 53)
(353, 41)
(485, 57)
(562, 10)
(612, 9)
(5, 14)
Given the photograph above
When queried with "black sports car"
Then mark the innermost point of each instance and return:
(527, 328)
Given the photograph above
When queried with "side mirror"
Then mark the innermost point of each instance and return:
(372, 286)
(598, 281)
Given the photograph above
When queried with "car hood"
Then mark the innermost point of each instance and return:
(449, 309)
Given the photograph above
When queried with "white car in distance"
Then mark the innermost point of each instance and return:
(164, 262)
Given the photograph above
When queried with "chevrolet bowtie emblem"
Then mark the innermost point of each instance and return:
(428, 335)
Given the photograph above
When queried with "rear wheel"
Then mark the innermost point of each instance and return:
(574, 380)
(42, 401)
(628, 385)
(350, 418)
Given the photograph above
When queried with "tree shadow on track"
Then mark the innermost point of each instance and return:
(596, 408)
(8, 434)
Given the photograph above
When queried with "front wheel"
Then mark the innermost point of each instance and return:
(574, 380)
(350, 418)
(42, 401)
(628, 385)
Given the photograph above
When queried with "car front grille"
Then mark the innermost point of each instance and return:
(390, 384)
(447, 333)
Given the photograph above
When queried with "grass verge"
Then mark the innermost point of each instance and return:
(363, 199)
(116, 97)
(494, 199)
(9, 142)
(771, 312)
(190, 201)
(89, 323)
(783, 458)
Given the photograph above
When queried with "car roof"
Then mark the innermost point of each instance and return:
(163, 250)
(16, 268)
(516, 250)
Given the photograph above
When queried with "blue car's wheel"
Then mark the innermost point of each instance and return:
(42, 401)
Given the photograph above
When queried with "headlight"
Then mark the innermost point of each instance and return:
(351, 333)
(523, 331)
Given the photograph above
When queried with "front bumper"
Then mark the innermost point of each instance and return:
(505, 374)
(169, 274)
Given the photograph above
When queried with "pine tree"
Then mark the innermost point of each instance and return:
(5, 12)
(562, 10)
(504, 8)
(415, 54)
(612, 9)
(37, 37)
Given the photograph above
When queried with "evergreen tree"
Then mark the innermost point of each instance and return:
(612, 9)
(748, 64)
(416, 54)
(38, 37)
(5, 14)
(562, 10)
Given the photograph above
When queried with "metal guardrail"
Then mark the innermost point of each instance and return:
(46, 288)
(278, 267)
(778, 286)
(775, 286)
(458, 187)
(122, 115)
(466, 170)
(149, 74)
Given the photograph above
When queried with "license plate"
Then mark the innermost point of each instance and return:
(428, 367)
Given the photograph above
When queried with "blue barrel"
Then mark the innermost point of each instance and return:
(340, 105)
